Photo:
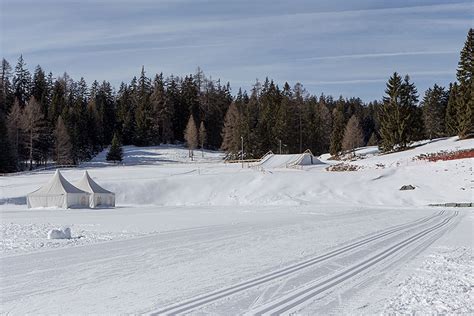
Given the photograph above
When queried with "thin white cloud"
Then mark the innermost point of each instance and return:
(379, 55)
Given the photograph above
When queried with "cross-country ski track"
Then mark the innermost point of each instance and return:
(429, 227)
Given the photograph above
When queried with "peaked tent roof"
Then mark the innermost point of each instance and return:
(89, 185)
(58, 185)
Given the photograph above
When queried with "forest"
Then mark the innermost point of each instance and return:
(48, 120)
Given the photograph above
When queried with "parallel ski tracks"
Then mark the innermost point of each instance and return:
(198, 302)
(296, 300)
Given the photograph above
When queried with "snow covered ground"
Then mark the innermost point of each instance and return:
(214, 238)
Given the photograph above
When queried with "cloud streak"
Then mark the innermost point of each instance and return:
(381, 55)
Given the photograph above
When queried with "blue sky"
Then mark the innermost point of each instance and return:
(346, 48)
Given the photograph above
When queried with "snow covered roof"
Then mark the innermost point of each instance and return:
(57, 185)
(89, 185)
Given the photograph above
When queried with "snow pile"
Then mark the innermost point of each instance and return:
(443, 285)
(60, 233)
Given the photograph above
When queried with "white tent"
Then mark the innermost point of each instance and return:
(98, 195)
(58, 192)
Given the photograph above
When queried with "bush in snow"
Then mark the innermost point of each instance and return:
(60, 234)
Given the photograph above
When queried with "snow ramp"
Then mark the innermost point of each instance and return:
(272, 161)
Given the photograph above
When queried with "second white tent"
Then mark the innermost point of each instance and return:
(99, 197)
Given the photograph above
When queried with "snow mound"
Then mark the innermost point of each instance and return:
(60, 233)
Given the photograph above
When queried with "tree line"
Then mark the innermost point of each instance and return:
(44, 119)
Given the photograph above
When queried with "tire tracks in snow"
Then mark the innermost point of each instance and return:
(200, 301)
(296, 300)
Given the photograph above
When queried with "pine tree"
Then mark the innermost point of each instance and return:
(161, 111)
(125, 114)
(40, 89)
(105, 105)
(15, 132)
(33, 125)
(63, 148)
(451, 120)
(401, 119)
(413, 113)
(434, 106)
(191, 136)
(337, 134)
(465, 98)
(115, 153)
(353, 135)
(22, 82)
(372, 140)
(324, 140)
(143, 112)
(6, 89)
(58, 102)
(7, 161)
(202, 135)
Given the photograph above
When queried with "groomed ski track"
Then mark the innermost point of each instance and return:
(283, 285)
(430, 227)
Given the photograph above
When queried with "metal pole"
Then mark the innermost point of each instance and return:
(280, 146)
(242, 152)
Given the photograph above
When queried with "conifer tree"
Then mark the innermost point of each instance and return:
(63, 147)
(6, 89)
(281, 121)
(434, 106)
(353, 135)
(191, 136)
(33, 125)
(7, 161)
(106, 108)
(372, 140)
(413, 113)
(15, 132)
(337, 134)
(125, 114)
(465, 97)
(40, 90)
(325, 122)
(58, 102)
(143, 113)
(202, 136)
(451, 120)
(22, 82)
(162, 112)
(94, 126)
(401, 119)
(115, 153)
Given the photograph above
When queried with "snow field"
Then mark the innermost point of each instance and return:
(183, 230)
